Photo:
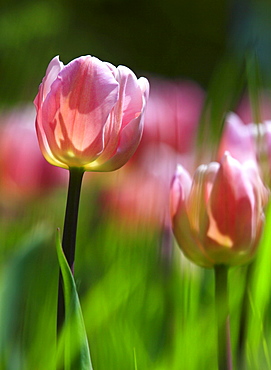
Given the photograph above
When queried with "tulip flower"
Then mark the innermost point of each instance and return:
(218, 217)
(89, 118)
(89, 114)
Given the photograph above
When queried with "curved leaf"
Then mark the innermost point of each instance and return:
(74, 338)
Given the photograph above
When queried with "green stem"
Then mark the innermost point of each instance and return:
(222, 318)
(245, 312)
(69, 234)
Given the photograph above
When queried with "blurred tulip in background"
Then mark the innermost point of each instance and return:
(173, 113)
(218, 217)
(24, 171)
(248, 141)
(245, 109)
(237, 138)
(140, 193)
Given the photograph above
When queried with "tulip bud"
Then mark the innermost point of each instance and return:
(218, 217)
(90, 114)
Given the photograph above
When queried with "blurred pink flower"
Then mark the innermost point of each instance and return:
(24, 171)
(237, 138)
(217, 217)
(141, 192)
(90, 114)
(133, 200)
(173, 113)
(244, 109)
(248, 142)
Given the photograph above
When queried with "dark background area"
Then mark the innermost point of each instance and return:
(173, 38)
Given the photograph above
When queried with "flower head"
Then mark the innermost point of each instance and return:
(217, 218)
(90, 114)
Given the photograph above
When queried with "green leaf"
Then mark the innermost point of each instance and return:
(260, 293)
(19, 294)
(74, 338)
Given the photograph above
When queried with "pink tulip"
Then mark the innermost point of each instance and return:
(90, 114)
(218, 217)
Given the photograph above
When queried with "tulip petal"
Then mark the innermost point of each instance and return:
(198, 197)
(180, 188)
(187, 240)
(118, 152)
(77, 108)
(129, 139)
(231, 206)
(53, 69)
(131, 102)
(238, 140)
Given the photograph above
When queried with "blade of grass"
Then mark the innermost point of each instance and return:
(74, 338)
(135, 361)
(14, 290)
(260, 291)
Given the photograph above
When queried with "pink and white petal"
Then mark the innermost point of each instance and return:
(46, 149)
(144, 86)
(188, 241)
(113, 69)
(237, 139)
(179, 189)
(129, 139)
(53, 69)
(86, 92)
(118, 117)
(130, 99)
(231, 205)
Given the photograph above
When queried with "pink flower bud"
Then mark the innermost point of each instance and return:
(90, 114)
(217, 218)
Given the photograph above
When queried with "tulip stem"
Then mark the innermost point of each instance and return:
(69, 234)
(222, 318)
